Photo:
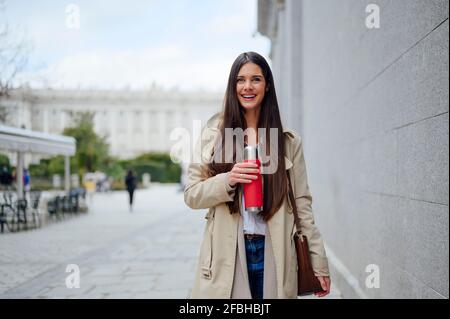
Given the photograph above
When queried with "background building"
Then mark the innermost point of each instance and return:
(372, 108)
(134, 122)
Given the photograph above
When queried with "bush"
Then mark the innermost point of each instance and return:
(159, 165)
(4, 161)
(118, 185)
(43, 184)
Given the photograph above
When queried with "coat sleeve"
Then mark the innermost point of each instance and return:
(303, 200)
(202, 191)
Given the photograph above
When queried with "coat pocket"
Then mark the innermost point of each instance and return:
(207, 252)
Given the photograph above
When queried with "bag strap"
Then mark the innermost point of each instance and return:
(294, 208)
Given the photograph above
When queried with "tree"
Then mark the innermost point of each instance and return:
(92, 150)
(14, 52)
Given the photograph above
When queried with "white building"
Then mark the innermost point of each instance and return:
(133, 122)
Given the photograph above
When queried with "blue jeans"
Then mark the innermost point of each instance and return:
(254, 249)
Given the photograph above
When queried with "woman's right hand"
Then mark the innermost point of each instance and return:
(243, 172)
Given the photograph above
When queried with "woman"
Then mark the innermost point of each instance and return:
(247, 255)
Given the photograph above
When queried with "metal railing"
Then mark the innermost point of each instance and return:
(25, 213)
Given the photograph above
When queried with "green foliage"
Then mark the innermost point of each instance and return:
(56, 165)
(92, 155)
(92, 150)
(4, 160)
(41, 169)
(49, 167)
(113, 168)
(158, 164)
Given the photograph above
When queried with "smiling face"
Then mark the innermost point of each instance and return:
(250, 86)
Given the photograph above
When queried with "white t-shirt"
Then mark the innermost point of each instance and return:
(253, 222)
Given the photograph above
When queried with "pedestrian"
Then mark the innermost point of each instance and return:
(14, 175)
(246, 254)
(26, 180)
(89, 185)
(6, 178)
(130, 182)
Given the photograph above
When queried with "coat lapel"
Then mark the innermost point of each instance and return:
(275, 227)
(241, 241)
(241, 287)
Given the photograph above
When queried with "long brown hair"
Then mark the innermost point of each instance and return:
(275, 185)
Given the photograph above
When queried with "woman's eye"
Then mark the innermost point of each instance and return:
(256, 79)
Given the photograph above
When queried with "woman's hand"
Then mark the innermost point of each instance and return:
(243, 172)
(325, 282)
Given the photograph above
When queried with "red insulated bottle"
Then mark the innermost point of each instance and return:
(253, 192)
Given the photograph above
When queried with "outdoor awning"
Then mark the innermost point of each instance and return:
(27, 141)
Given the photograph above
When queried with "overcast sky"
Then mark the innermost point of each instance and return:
(189, 44)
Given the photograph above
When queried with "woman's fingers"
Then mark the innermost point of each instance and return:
(246, 168)
(246, 164)
(325, 282)
(247, 172)
(243, 172)
(243, 177)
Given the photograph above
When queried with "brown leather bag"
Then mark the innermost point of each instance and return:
(307, 280)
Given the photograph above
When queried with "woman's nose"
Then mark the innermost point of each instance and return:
(247, 85)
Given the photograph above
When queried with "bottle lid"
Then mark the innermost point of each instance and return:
(250, 152)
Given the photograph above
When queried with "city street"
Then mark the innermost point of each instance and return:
(147, 253)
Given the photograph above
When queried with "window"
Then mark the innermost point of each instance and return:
(153, 122)
(137, 122)
(121, 123)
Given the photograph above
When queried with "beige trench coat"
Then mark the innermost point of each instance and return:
(222, 269)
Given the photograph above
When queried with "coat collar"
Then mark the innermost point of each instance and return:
(214, 123)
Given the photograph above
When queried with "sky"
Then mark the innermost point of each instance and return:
(176, 44)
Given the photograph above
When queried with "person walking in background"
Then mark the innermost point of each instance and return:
(26, 180)
(14, 175)
(130, 182)
(6, 178)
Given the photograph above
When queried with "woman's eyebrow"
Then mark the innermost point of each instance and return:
(253, 76)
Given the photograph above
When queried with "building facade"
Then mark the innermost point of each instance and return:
(371, 105)
(133, 122)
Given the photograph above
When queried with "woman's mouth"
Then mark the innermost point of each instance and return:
(248, 97)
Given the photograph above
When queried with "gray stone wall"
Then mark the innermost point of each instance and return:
(372, 108)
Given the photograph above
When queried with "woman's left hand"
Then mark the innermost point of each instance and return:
(325, 282)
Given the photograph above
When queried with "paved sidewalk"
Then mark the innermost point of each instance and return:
(148, 253)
